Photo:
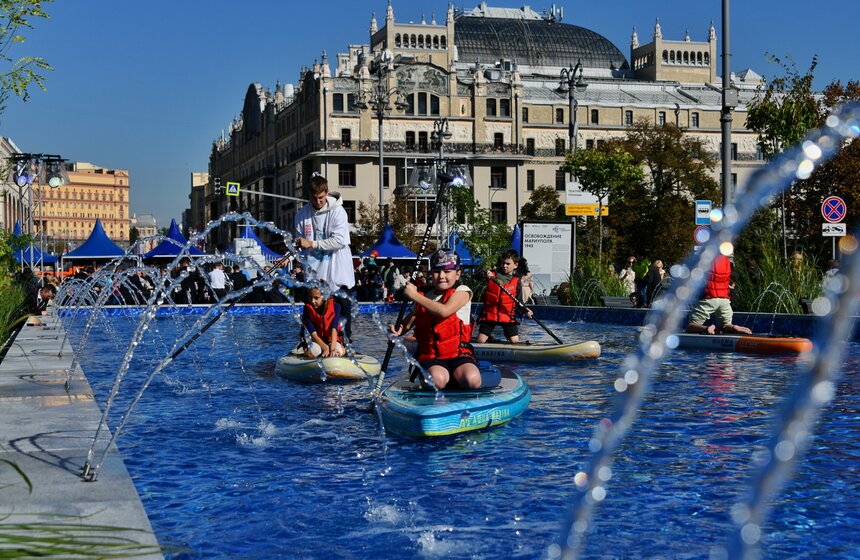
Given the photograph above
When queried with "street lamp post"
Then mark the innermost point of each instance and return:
(571, 81)
(441, 133)
(382, 100)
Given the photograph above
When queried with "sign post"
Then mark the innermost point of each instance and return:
(833, 209)
(703, 212)
(232, 189)
(580, 203)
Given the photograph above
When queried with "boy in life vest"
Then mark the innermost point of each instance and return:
(716, 301)
(321, 320)
(499, 307)
(443, 324)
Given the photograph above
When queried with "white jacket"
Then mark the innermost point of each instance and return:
(328, 228)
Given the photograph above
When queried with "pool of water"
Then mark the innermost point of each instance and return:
(233, 462)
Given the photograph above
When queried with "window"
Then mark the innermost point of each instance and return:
(525, 114)
(498, 177)
(628, 118)
(694, 120)
(559, 146)
(595, 116)
(422, 141)
(661, 118)
(434, 104)
(346, 174)
(500, 212)
(422, 103)
(559, 115)
(491, 107)
(345, 137)
(350, 103)
(499, 141)
(385, 177)
(504, 107)
(349, 206)
(734, 151)
(759, 153)
(337, 104)
(410, 139)
(530, 146)
(530, 179)
(559, 180)
(410, 105)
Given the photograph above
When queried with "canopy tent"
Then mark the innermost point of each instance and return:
(466, 258)
(170, 249)
(517, 240)
(248, 233)
(23, 255)
(389, 247)
(98, 246)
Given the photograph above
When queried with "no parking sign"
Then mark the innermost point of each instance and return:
(834, 209)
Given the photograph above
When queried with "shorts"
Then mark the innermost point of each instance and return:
(450, 365)
(487, 327)
(704, 308)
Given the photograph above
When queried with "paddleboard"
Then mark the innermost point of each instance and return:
(410, 410)
(744, 343)
(298, 367)
(528, 352)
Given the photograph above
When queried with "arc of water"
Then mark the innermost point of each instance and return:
(656, 339)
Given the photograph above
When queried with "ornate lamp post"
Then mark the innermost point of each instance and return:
(441, 133)
(570, 80)
(382, 100)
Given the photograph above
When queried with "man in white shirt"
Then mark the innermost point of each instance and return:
(218, 280)
(322, 231)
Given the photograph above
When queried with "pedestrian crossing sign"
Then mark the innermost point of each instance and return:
(232, 189)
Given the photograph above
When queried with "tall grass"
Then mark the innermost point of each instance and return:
(588, 282)
(771, 285)
(12, 313)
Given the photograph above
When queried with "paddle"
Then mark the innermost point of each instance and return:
(522, 306)
(374, 394)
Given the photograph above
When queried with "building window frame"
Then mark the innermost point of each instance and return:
(346, 175)
(498, 177)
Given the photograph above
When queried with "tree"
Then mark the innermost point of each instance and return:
(16, 76)
(781, 114)
(485, 237)
(608, 171)
(543, 204)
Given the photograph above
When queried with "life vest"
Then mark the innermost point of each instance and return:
(498, 306)
(441, 339)
(719, 278)
(325, 322)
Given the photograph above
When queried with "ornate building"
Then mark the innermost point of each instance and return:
(494, 74)
(69, 212)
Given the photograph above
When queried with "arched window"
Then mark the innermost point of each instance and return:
(672, 57)
(443, 40)
(413, 41)
(421, 41)
(707, 59)
(435, 41)
(397, 40)
(699, 58)
(686, 57)
(665, 56)
(428, 41)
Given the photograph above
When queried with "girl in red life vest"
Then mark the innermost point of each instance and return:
(321, 319)
(442, 324)
(499, 307)
(716, 301)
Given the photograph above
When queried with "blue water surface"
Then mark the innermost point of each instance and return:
(233, 462)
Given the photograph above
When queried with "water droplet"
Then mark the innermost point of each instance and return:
(604, 474)
(598, 493)
(620, 385)
(784, 450)
(751, 533)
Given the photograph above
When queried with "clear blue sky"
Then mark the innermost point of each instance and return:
(148, 85)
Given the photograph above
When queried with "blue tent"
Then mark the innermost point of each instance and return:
(389, 247)
(23, 255)
(168, 249)
(248, 233)
(97, 246)
(517, 240)
(466, 258)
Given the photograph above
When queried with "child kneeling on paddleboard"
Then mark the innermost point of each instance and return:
(443, 324)
(321, 320)
(716, 301)
(500, 308)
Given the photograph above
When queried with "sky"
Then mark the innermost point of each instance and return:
(148, 86)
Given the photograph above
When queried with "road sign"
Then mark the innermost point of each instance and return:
(833, 209)
(585, 210)
(701, 234)
(703, 212)
(233, 189)
(834, 230)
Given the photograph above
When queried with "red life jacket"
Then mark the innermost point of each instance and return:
(324, 323)
(717, 285)
(500, 307)
(441, 339)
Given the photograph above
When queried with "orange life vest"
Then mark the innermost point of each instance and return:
(719, 278)
(500, 307)
(441, 339)
(324, 323)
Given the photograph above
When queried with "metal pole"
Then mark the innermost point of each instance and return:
(726, 113)
(379, 114)
(30, 220)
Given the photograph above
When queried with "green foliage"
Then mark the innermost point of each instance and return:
(16, 76)
(588, 282)
(543, 205)
(484, 236)
(767, 284)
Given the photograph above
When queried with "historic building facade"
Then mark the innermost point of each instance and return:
(494, 74)
(69, 212)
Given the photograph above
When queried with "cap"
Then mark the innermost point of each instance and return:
(374, 253)
(444, 259)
